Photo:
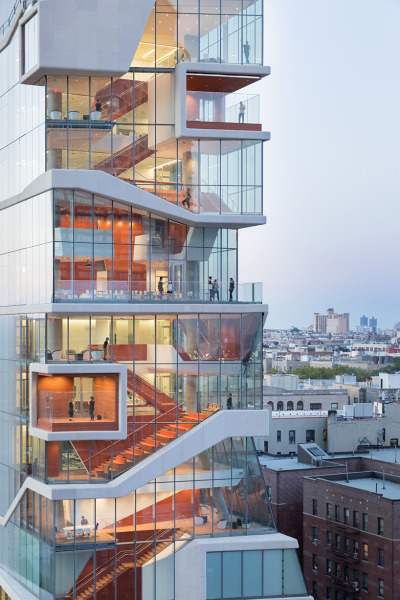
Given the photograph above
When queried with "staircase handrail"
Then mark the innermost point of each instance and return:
(130, 434)
(148, 542)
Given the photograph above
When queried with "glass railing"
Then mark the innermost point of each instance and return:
(217, 107)
(206, 198)
(145, 291)
(65, 411)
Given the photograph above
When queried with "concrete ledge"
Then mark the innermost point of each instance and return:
(220, 426)
(15, 590)
(103, 184)
(191, 558)
(132, 308)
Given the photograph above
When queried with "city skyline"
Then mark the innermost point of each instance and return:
(334, 143)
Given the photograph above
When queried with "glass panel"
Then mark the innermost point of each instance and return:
(252, 574)
(146, 51)
(293, 582)
(78, 339)
(30, 43)
(100, 101)
(78, 149)
(100, 338)
(188, 37)
(56, 98)
(78, 99)
(272, 572)
(123, 99)
(213, 566)
(231, 574)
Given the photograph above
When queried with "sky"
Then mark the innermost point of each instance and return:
(332, 166)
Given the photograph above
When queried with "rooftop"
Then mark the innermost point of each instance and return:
(369, 481)
(283, 464)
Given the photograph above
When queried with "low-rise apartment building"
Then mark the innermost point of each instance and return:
(351, 536)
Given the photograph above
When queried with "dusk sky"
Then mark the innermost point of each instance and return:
(332, 166)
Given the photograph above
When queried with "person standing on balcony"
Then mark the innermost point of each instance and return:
(187, 199)
(231, 288)
(98, 105)
(160, 286)
(91, 408)
(105, 348)
(242, 110)
(246, 52)
(216, 290)
(170, 290)
(211, 288)
(71, 410)
(229, 401)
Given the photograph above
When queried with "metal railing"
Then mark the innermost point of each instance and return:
(14, 10)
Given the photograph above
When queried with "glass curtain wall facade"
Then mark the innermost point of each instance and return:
(131, 136)
(126, 548)
(105, 250)
(181, 370)
(113, 310)
(201, 31)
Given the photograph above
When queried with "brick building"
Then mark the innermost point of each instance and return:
(285, 477)
(351, 527)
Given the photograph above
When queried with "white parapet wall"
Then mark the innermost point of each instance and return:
(191, 560)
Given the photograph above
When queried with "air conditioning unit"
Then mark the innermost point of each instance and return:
(329, 546)
(328, 517)
(355, 585)
(355, 555)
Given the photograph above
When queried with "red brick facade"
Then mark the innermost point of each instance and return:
(350, 560)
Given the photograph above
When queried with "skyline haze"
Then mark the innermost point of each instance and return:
(330, 170)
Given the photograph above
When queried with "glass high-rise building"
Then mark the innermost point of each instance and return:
(130, 355)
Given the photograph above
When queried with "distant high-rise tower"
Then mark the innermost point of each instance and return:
(373, 323)
(363, 321)
(331, 322)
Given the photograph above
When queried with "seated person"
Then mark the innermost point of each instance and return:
(84, 521)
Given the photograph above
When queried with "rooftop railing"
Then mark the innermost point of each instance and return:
(149, 291)
(14, 10)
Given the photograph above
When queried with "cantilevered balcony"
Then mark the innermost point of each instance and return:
(218, 110)
(181, 291)
(67, 403)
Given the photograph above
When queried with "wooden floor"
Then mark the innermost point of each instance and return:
(77, 424)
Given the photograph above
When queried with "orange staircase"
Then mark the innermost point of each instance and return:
(170, 422)
(126, 560)
(165, 433)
